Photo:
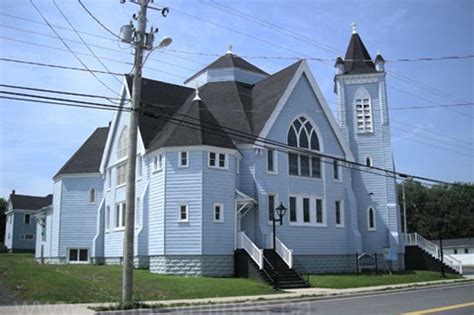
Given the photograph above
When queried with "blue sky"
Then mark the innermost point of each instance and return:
(36, 140)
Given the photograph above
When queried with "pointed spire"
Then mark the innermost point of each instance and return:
(229, 50)
(197, 97)
(357, 59)
(354, 28)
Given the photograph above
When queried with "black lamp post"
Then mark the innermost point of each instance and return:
(280, 211)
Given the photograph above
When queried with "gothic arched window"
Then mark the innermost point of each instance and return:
(363, 111)
(122, 146)
(371, 219)
(303, 135)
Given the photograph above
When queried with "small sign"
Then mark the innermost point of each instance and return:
(390, 253)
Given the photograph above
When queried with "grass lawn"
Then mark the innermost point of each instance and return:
(343, 281)
(88, 283)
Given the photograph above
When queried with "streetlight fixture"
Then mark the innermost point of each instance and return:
(280, 211)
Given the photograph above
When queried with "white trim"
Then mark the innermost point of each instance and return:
(180, 204)
(374, 228)
(217, 160)
(341, 213)
(275, 204)
(180, 165)
(78, 261)
(275, 161)
(108, 215)
(195, 148)
(367, 124)
(304, 69)
(29, 218)
(89, 195)
(323, 205)
(157, 163)
(76, 175)
(121, 213)
(221, 215)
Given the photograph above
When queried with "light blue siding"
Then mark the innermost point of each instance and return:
(20, 228)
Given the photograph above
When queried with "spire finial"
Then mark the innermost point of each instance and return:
(354, 28)
(197, 97)
(229, 49)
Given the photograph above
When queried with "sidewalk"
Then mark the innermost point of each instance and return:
(79, 309)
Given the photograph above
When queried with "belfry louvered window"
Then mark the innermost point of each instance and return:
(122, 146)
(363, 108)
(303, 135)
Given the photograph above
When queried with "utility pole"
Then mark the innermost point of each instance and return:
(405, 232)
(127, 282)
(142, 40)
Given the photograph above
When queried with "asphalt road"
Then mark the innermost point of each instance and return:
(428, 300)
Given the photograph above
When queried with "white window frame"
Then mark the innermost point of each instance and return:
(339, 171)
(181, 204)
(137, 213)
(180, 160)
(217, 160)
(369, 228)
(117, 168)
(274, 155)
(158, 163)
(221, 215)
(92, 200)
(363, 108)
(107, 218)
(119, 220)
(341, 213)
(323, 205)
(78, 261)
(109, 179)
(289, 208)
(139, 166)
(275, 204)
(302, 222)
(29, 218)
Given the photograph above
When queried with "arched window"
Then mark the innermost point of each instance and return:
(303, 135)
(363, 111)
(371, 219)
(92, 195)
(368, 161)
(122, 146)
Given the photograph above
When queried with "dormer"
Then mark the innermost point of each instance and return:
(228, 67)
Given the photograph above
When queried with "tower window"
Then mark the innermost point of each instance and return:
(363, 111)
(368, 161)
(371, 219)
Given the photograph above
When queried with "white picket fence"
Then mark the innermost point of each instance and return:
(246, 243)
(415, 239)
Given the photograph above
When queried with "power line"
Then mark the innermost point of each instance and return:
(432, 106)
(242, 135)
(97, 20)
(69, 48)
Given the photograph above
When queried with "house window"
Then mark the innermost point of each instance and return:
(78, 255)
(292, 203)
(306, 210)
(109, 178)
(139, 165)
(466, 250)
(271, 207)
(121, 174)
(337, 170)
(218, 212)
(183, 159)
(138, 209)
(122, 147)
(319, 211)
(303, 135)
(455, 251)
(363, 109)
(27, 218)
(158, 163)
(107, 218)
(371, 219)
(217, 160)
(271, 161)
(339, 213)
(92, 195)
(27, 237)
(368, 161)
(120, 215)
(183, 212)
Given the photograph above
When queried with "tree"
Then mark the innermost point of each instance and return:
(449, 208)
(3, 206)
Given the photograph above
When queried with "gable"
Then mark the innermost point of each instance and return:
(303, 89)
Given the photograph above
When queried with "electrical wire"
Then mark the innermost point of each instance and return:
(97, 20)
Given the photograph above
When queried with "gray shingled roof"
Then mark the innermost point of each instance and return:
(229, 61)
(87, 159)
(357, 58)
(25, 202)
(228, 104)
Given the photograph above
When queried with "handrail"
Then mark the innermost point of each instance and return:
(285, 253)
(273, 278)
(301, 269)
(416, 239)
(252, 249)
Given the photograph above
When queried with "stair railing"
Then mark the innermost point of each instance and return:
(301, 269)
(251, 249)
(285, 253)
(273, 274)
(415, 239)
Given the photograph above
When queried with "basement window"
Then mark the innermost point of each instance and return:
(78, 255)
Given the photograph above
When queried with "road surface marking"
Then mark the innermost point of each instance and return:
(440, 309)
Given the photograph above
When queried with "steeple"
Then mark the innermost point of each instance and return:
(357, 59)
